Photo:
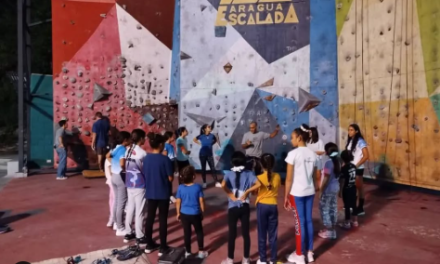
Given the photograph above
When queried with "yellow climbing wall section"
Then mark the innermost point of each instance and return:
(383, 48)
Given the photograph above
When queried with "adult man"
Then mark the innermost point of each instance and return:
(60, 147)
(253, 144)
(100, 132)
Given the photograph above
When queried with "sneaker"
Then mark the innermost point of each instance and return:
(326, 234)
(228, 261)
(142, 242)
(187, 254)
(355, 223)
(172, 199)
(163, 251)
(310, 257)
(110, 224)
(345, 225)
(151, 247)
(202, 254)
(121, 233)
(131, 253)
(129, 237)
(246, 261)
(361, 212)
(4, 229)
(124, 251)
(218, 185)
(115, 226)
(297, 259)
(267, 262)
(204, 186)
(61, 178)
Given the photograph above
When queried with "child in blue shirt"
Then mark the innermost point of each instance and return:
(238, 183)
(190, 206)
(171, 154)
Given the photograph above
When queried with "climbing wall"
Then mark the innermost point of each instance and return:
(273, 61)
(388, 55)
(113, 57)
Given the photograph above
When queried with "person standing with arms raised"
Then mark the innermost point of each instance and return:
(100, 132)
(253, 144)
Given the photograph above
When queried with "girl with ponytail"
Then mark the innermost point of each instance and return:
(237, 184)
(328, 203)
(267, 210)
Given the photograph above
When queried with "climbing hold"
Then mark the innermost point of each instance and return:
(270, 97)
(65, 70)
(227, 67)
(79, 94)
(87, 80)
(65, 77)
(90, 106)
(86, 133)
(80, 73)
(108, 108)
(199, 119)
(184, 56)
(99, 92)
(138, 26)
(398, 140)
(267, 83)
(148, 118)
(214, 92)
(250, 84)
(64, 85)
(220, 31)
(65, 99)
(307, 101)
(202, 7)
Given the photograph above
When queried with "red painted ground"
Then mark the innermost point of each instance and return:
(60, 218)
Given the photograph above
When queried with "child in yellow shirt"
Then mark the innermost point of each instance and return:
(267, 210)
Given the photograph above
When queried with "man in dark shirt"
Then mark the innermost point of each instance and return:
(100, 132)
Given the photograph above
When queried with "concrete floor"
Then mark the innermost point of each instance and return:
(53, 219)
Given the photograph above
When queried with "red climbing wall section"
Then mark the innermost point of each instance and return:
(95, 70)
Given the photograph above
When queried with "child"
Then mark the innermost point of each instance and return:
(135, 184)
(123, 138)
(158, 172)
(328, 204)
(267, 210)
(190, 206)
(236, 183)
(182, 149)
(117, 166)
(348, 189)
(171, 154)
(301, 186)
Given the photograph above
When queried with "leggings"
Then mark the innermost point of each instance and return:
(267, 215)
(328, 206)
(135, 208)
(163, 206)
(111, 194)
(120, 199)
(210, 161)
(302, 211)
(349, 198)
(243, 214)
(187, 222)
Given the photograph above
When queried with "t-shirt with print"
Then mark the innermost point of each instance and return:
(207, 141)
(348, 173)
(170, 151)
(304, 161)
(101, 128)
(257, 139)
(179, 142)
(318, 146)
(266, 196)
(189, 196)
(156, 170)
(134, 157)
(333, 180)
(117, 154)
(357, 154)
(247, 180)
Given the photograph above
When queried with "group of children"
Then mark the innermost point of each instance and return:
(141, 180)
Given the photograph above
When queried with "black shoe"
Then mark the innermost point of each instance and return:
(141, 241)
(124, 251)
(133, 252)
(4, 229)
(129, 237)
(163, 251)
(151, 247)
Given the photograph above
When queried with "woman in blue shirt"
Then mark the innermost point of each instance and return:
(206, 140)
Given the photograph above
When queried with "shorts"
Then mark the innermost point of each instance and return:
(359, 172)
(101, 151)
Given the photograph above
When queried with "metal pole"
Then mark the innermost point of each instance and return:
(28, 83)
(20, 71)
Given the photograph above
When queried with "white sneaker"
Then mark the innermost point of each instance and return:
(115, 226)
(173, 199)
(228, 261)
(110, 224)
(202, 254)
(187, 254)
(218, 185)
(246, 261)
(121, 232)
(297, 259)
(310, 257)
(204, 185)
(268, 262)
